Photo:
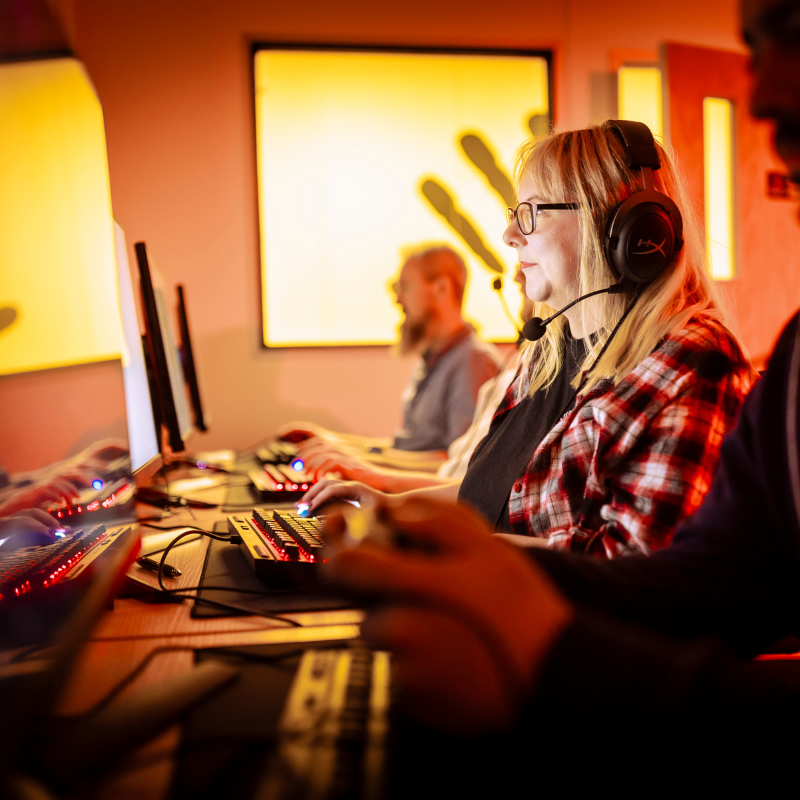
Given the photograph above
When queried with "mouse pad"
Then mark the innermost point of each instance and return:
(225, 565)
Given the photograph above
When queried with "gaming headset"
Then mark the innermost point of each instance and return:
(645, 232)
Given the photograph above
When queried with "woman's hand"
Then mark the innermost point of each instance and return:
(328, 490)
(458, 609)
(322, 459)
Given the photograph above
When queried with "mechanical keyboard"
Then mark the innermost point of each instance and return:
(103, 503)
(334, 726)
(282, 475)
(36, 568)
(280, 478)
(280, 546)
(277, 452)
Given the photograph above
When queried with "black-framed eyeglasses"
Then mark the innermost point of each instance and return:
(525, 214)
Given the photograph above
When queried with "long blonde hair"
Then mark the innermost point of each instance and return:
(588, 167)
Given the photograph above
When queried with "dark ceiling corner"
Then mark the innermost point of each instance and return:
(29, 31)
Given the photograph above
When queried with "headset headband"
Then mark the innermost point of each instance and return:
(637, 142)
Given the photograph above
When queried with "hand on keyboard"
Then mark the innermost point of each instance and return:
(35, 495)
(325, 460)
(301, 431)
(331, 490)
(27, 529)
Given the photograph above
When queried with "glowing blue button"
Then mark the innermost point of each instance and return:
(97, 484)
(298, 464)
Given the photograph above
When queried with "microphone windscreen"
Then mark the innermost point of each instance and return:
(533, 329)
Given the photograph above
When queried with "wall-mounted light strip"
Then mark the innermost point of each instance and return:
(639, 97)
(718, 168)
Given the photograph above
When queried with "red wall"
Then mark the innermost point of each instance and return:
(174, 81)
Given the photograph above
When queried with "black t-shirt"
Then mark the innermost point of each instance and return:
(513, 437)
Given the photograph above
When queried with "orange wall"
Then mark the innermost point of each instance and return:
(174, 81)
(51, 414)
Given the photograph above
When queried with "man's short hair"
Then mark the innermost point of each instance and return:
(437, 260)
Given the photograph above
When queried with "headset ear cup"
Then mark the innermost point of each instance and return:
(642, 236)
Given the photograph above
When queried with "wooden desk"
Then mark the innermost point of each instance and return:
(134, 629)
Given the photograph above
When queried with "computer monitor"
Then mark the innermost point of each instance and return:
(187, 357)
(163, 352)
(143, 435)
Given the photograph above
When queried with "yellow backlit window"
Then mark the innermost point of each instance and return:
(639, 97)
(718, 168)
(58, 293)
(363, 153)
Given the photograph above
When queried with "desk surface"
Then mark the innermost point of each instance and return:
(133, 629)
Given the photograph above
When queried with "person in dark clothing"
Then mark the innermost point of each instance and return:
(636, 658)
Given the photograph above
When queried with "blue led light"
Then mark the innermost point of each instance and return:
(97, 484)
(298, 464)
(302, 509)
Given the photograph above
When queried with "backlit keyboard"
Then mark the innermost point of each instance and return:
(280, 478)
(279, 544)
(105, 502)
(36, 568)
(278, 452)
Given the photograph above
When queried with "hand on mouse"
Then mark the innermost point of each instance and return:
(331, 490)
(457, 608)
(27, 529)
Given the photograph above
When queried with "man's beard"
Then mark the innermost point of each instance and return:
(413, 335)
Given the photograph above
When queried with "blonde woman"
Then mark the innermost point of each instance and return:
(611, 429)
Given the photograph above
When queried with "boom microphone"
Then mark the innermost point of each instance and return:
(534, 328)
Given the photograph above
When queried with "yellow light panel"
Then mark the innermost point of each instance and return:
(345, 141)
(57, 268)
(639, 97)
(718, 169)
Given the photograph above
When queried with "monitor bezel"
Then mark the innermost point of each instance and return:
(189, 369)
(157, 351)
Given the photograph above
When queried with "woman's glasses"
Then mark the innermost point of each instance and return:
(525, 214)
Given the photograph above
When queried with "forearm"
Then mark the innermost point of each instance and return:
(419, 461)
(446, 491)
(397, 481)
(358, 443)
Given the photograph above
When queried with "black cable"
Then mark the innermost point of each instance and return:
(622, 319)
(173, 527)
(162, 549)
(208, 601)
(199, 531)
(123, 684)
(119, 687)
(588, 372)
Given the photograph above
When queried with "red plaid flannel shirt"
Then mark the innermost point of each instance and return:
(617, 472)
